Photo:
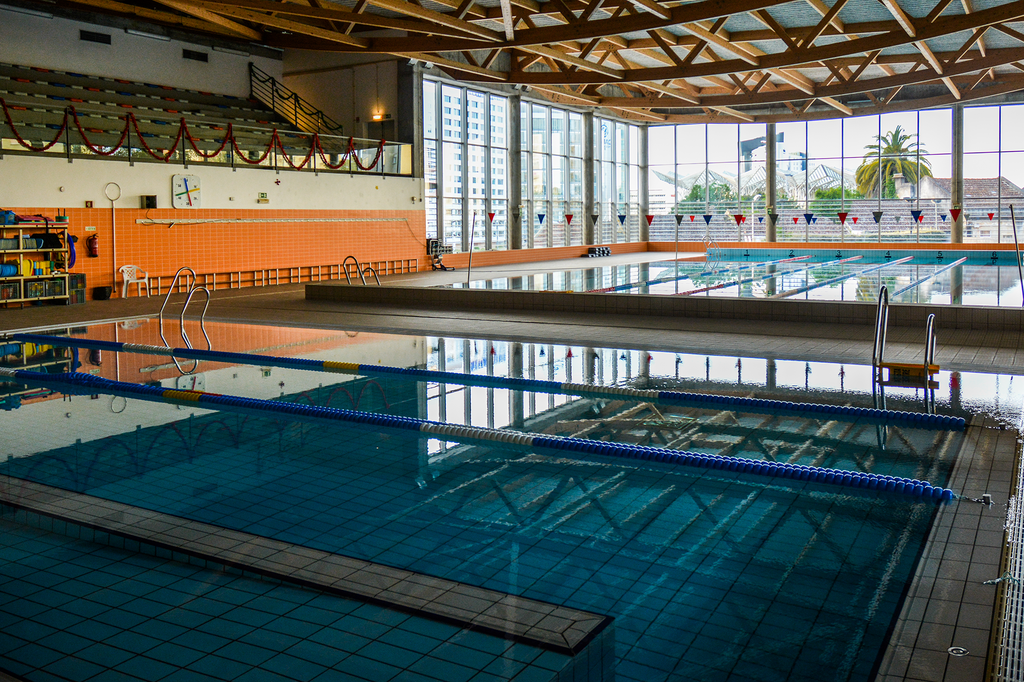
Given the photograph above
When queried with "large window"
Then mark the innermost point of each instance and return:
(889, 176)
(616, 181)
(466, 166)
(552, 189)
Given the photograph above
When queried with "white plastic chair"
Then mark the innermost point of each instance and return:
(133, 275)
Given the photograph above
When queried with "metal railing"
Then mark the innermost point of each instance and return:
(288, 104)
(881, 327)
(191, 288)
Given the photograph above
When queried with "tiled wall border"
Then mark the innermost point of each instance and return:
(557, 628)
(819, 312)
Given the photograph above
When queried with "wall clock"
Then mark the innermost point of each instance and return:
(186, 191)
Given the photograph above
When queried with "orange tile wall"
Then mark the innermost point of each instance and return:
(228, 248)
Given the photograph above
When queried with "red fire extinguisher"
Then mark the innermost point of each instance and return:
(92, 245)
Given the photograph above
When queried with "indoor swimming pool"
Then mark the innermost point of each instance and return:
(706, 574)
(963, 278)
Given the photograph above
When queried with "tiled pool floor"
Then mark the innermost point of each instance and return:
(72, 609)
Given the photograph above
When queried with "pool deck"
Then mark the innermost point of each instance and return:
(947, 604)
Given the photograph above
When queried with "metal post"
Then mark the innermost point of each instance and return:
(589, 225)
(956, 198)
(513, 211)
(770, 179)
(645, 207)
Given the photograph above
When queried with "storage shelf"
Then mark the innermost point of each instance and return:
(19, 284)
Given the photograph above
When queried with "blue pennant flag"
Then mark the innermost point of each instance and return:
(809, 217)
(707, 218)
(760, 219)
(540, 217)
(917, 216)
(877, 215)
(943, 217)
(622, 219)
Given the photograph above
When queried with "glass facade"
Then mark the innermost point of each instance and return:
(465, 143)
(616, 181)
(552, 177)
(897, 166)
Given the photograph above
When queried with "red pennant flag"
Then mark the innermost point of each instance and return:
(569, 354)
(493, 351)
(920, 218)
(738, 218)
(990, 215)
(854, 220)
(650, 219)
(490, 216)
(795, 220)
(842, 216)
(955, 212)
(568, 218)
(692, 217)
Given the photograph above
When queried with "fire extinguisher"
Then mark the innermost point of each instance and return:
(92, 245)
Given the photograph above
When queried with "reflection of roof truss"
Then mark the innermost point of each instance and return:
(659, 60)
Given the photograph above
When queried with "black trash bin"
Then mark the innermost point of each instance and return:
(102, 293)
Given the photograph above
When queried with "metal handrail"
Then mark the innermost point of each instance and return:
(370, 269)
(192, 288)
(881, 327)
(359, 269)
(267, 89)
(929, 343)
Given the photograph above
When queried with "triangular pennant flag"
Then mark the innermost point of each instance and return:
(679, 219)
(809, 217)
(760, 219)
(738, 218)
(490, 216)
(944, 217)
(917, 215)
(650, 219)
(540, 217)
(594, 217)
(955, 212)
(899, 218)
(878, 216)
(990, 215)
(842, 216)
(854, 220)
(568, 218)
(692, 217)
(814, 220)
(515, 214)
(774, 217)
(707, 218)
(622, 219)
(795, 220)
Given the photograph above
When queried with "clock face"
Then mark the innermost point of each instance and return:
(186, 192)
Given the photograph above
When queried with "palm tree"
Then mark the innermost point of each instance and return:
(899, 155)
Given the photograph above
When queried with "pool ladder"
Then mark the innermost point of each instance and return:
(903, 374)
(360, 270)
(191, 289)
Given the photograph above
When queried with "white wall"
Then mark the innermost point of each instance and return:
(348, 92)
(31, 181)
(54, 44)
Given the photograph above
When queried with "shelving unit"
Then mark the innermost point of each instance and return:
(19, 355)
(41, 271)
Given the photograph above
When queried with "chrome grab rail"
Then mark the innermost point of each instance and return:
(358, 269)
(881, 326)
(192, 289)
(1016, 245)
(929, 343)
(371, 270)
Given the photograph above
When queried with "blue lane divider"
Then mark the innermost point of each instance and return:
(718, 271)
(912, 419)
(88, 384)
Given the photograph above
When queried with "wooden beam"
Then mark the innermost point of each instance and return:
(826, 20)
(299, 27)
(159, 16)
(836, 104)
(558, 55)
(439, 18)
(666, 48)
(929, 56)
(459, 66)
(653, 7)
(213, 18)
(948, 82)
(720, 41)
(939, 8)
(822, 9)
(776, 28)
(901, 17)
(968, 9)
(968, 44)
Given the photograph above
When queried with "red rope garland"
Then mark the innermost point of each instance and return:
(229, 135)
(94, 149)
(280, 145)
(315, 147)
(170, 152)
(28, 145)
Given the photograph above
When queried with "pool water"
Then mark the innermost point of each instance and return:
(709, 575)
(980, 281)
